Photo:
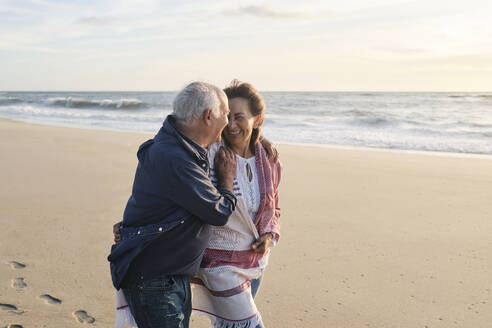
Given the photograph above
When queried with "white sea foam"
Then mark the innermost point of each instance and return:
(74, 102)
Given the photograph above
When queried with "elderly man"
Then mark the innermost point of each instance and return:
(164, 228)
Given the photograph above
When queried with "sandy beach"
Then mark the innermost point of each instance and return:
(369, 238)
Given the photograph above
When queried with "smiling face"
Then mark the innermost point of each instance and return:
(241, 123)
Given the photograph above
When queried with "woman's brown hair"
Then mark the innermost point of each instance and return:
(238, 89)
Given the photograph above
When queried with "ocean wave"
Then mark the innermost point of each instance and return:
(473, 125)
(9, 100)
(376, 122)
(359, 113)
(83, 114)
(471, 96)
(73, 102)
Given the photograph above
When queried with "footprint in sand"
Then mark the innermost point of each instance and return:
(11, 308)
(48, 299)
(82, 317)
(8, 307)
(18, 283)
(17, 265)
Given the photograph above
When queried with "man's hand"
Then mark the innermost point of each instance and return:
(116, 232)
(225, 164)
(270, 149)
(262, 244)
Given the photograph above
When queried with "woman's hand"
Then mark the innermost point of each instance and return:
(262, 244)
(270, 149)
(116, 232)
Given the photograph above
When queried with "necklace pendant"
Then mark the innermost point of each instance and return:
(249, 172)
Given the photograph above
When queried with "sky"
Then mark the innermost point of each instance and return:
(349, 45)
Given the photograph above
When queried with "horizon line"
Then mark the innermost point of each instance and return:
(313, 91)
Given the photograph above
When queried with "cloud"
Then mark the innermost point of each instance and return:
(14, 10)
(266, 12)
(29, 48)
(401, 50)
(93, 20)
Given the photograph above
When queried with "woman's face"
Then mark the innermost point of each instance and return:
(241, 122)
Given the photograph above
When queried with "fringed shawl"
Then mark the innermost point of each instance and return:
(222, 289)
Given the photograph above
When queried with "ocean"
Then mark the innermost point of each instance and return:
(434, 122)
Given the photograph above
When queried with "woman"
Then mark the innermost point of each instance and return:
(233, 265)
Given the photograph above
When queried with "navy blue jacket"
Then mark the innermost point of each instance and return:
(164, 228)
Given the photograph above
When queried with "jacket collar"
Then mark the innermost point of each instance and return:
(169, 127)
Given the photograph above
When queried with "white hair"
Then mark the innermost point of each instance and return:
(195, 98)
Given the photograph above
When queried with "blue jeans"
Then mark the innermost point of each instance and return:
(255, 285)
(163, 302)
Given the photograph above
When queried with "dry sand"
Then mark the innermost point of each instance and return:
(369, 239)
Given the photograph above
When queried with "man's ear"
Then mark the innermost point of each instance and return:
(206, 116)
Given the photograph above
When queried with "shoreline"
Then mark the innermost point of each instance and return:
(313, 145)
